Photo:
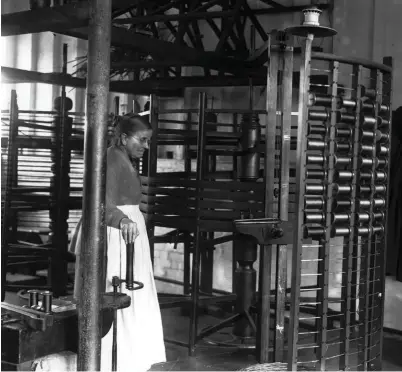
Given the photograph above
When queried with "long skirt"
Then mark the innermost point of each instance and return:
(139, 327)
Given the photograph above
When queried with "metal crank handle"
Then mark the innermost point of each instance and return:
(130, 266)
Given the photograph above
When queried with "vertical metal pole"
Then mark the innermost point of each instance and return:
(58, 276)
(387, 99)
(349, 270)
(269, 175)
(299, 198)
(195, 279)
(93, 220)
(152, 164)
(325, 242)
(286, 56)
(11, 165)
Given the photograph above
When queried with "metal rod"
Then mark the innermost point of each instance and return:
(323, 266)
(269, 173)
(349, 266)
(197, 250)
(387, 92)
(300, 192)
(281, 260)
(93, 221)
(369, 271)
(11, 165)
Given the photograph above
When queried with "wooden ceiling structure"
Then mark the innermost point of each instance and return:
(152, 42)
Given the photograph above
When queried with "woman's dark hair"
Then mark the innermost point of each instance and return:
(130, 124)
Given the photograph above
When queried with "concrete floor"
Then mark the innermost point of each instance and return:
(209, 358)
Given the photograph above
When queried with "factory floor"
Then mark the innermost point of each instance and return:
(213, 358)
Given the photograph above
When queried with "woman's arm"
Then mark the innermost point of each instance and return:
(113, 214)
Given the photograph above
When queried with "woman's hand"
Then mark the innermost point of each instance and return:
(128, 230)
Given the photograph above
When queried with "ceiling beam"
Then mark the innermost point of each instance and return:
(172, 17)
(11, 75)
(125, 38)
(164, 86)
(76, 15)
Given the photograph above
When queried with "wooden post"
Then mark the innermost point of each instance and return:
(93, 220)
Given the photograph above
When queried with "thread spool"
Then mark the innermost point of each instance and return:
(320, 100)
(378, 230)
(312, 203)
(366, 175)
(380, 189)
(382, 150)
(368, 106)
(313, 232)
(317, 129)
(313, 217)
(380, 202)
(315, 145)
(383, 123)
(365, 189)
(368, 121)
(47, 301)
(384, 108)
(340, 218)
(378, 216)
(368, 92)
(366, 162)
(382, 163)
(314, 189)
(344, 175)
(363, 217)
(342, 189)
(367, 149)
(344, 132)
(366, 135)
(381, 176)
(340, 231)
(343, 146)
(347, 103)
(342, 203)
(318, 115)
(311, 16)
(313, 174)
(344, 117)
(33, 299)
(314, 160)
(363, 230)
(381, 137)
(342, 161)
(364, 203)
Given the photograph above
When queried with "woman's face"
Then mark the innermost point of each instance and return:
(137, 143)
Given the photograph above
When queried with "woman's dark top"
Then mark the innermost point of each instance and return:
(123, 185)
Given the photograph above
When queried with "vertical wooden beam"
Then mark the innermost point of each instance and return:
(93, 220)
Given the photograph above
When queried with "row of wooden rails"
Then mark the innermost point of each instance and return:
(200, 201)
(42, 168)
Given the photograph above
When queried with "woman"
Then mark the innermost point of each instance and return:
(139, 333)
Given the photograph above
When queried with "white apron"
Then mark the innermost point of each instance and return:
(139, 327)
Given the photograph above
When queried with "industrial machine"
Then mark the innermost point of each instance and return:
(47, 326)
